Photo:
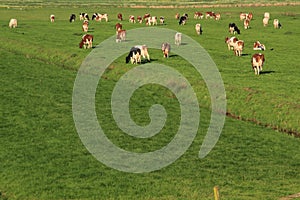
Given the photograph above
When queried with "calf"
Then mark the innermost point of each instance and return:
(131, 19)
(238, 47)
(52, 18)
(182, 20)
(258, 46)
(86, 41)
(257, 61)
(198, 15)
(230, 42)
(198, 28)
(13, 23)
(166, 48)
(265, 21)
(72, 18)
(121, 35)
(85, 26)
(276, 23)
(246, 23)
(120, 16)
(144, 51)
(178, 38)
(233, 29)
(134, 56)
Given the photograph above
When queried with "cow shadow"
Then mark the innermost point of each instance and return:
(266, 72)
(171, 56)
(245, 54)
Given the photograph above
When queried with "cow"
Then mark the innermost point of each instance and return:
(94, 16)
(86, 41)
(246, 23)
(13, 23)
(178, 38)
(258, 46)
(230, 42)
(267, 15)
(257, 62)
(144, 51)
(139, 19)
(209, 15)
(250, 16)
(131, 19)
(217, 16)
(120, 16)
(182, 20)
(52, 18)
(198, 15)
(72, 18)
(151, 20)
(147, 15)
(243, 16)
(265, 21)
(162, 20)
(198, 29)
(134, 56)
(166, 48)
(276, 23)
(238, 47)
(85, 26)
(177, 16)
(99, 17)
(233, 29)
(118, 26)
(83, 16)
(121, 35)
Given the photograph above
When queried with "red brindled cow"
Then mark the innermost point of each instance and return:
(257, 61)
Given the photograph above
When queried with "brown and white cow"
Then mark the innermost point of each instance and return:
(85, 26)
(166, 48)
(265, 21)
(139, 19)
(162, 20)
(86, 41)
(131, 19)
(250, 16)
(217, 16)
(177, 16)
(257, 61)
(121, 35)
(120, 16)
(209, 15)
(52, 18)
(144, 51)
(230, 42)
(151, 21)
(118, 26)
(198, 15)
(258, 46)
(238, 48)
(198, 29)
(13, 23)
(99, 17)
(246, 23)
(243, 16)
(276, 23)
(267, 15)
(146, 15)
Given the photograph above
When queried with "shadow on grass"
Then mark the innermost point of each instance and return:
(266, 72)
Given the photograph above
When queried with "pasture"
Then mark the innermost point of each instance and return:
(42, 157)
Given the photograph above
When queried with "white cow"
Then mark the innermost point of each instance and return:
(13, 23)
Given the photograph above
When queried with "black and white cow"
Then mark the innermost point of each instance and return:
(134, 55)
(233, 29)
(182, 20)
(84, 16)
(72, 18)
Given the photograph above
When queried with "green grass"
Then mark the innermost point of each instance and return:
(42, 156)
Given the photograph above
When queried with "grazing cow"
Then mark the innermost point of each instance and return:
(131, 19)
(13, 23)
(52, 18)
(233, 29)
(162, 20)
(258, 46)
(166, 48)
(95, 15)
(250, 16)
(83, 16)
(243, 16)
(134, 56)
(265, 21)
(177, 16)
(182, 20)
(120, 16)
(86, 41)
(246, 23)
(99, 17)
(257, 61)
(121, 35)
(139, 19)
(267, 15)
(217, 16)
(144, 51)
(147, 15)
(230, 42)
(276, 23)
(198, 28)
(85, 26)
(151, 20)
(238, 47)
(198, 15)
(209, 15)
(178, 38)
(72, 18)
(118, 27)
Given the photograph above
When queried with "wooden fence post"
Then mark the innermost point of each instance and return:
(216, 193)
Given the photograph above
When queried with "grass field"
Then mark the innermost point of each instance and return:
(42, 157)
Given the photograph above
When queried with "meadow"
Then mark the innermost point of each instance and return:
(42, 157)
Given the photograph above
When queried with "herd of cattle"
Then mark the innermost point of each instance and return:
(137, 52)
